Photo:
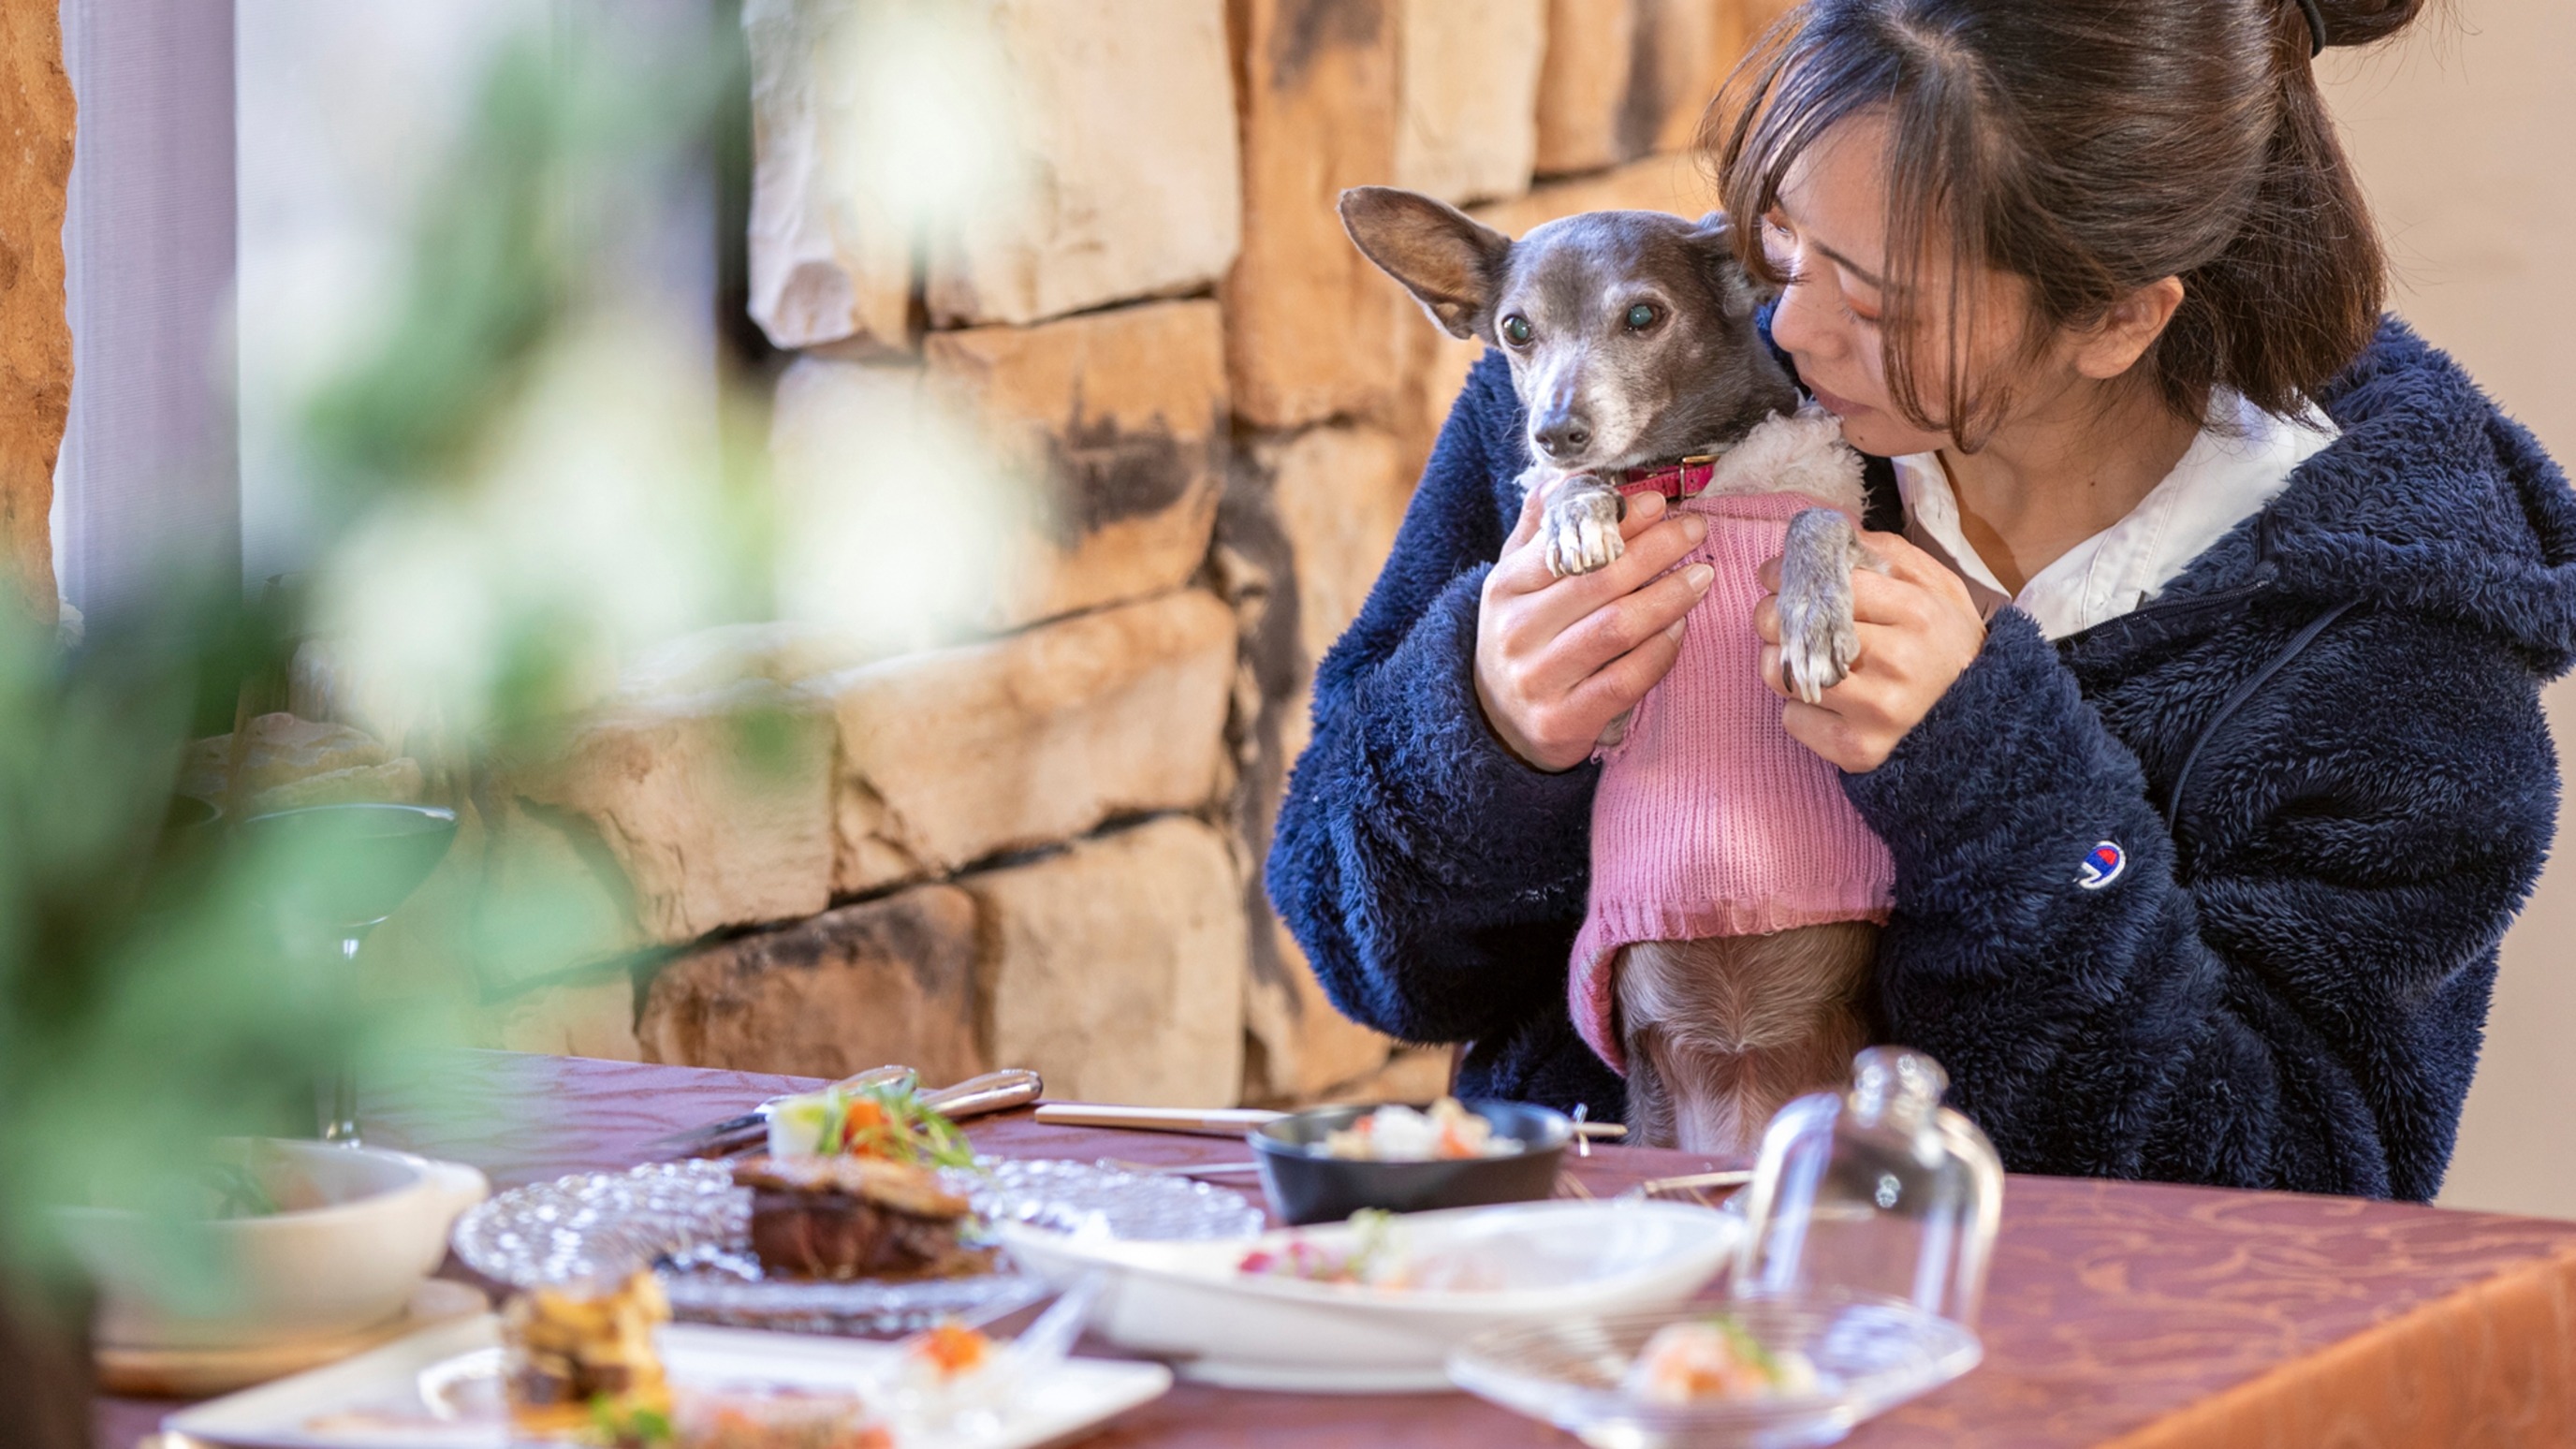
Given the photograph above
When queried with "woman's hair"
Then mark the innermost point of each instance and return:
(2090, 148)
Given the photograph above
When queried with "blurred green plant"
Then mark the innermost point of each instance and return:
(151, 996)
(525, 482)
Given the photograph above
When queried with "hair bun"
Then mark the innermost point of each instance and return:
(2366, 22)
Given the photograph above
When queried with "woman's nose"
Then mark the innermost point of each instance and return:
(1800, 324)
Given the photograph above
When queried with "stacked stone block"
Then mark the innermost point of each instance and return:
(1043, 847)
(36, 109)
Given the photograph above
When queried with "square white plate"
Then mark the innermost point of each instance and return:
(374, 1401)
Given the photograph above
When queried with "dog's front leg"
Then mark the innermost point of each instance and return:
(1818, 641)
(1581, 526)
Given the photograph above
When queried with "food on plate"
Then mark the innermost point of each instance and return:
(1397, 1133)
(886, 1121)
(776, 1418)
(855, 1217)
(1375, 1255)
(950, 1375)
(581, 1364)
(1713, 1358)
(1371, 1258)
(850, 1188)
(951, 1351)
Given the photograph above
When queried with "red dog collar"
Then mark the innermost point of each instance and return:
(1676, 481)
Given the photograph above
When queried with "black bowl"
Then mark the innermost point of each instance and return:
(1307, 1187)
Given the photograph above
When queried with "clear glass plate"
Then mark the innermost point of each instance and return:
(693, 1225)
(1869, 1354)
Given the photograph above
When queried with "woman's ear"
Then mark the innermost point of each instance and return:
(1451, 263)
(2113, 345)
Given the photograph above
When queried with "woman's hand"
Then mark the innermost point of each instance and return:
(1919, 630)
(1558, 659)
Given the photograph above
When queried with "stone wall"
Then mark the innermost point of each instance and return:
(35, 337)
(1043, 848)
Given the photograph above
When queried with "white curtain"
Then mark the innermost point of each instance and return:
(146, 481)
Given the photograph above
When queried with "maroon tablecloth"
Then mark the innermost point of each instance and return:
(2118, 1313)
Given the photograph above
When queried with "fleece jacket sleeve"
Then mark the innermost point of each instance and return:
(2267, 994)
(1433, 878)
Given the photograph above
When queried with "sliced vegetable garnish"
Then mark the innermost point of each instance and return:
(887, 1121)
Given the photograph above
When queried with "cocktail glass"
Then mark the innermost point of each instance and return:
(342, 869)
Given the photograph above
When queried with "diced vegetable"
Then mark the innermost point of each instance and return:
(888, 1122)
(1397, 1133)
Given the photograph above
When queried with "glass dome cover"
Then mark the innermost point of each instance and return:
(1878, 1189)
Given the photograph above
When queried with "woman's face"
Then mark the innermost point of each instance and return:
(1828, 236)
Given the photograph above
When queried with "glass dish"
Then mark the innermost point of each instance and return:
(1870, 1354)
(693, 1225)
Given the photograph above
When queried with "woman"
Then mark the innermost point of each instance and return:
(2200, 705)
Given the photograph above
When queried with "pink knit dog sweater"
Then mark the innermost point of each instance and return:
(1710, 820)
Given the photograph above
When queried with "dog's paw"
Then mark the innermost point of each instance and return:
(1581, 527)
(1818, 643)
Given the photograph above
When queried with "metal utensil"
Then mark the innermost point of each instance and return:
(976, 1096)
(1179, 1169)
(698, 1141)
(983, 1096)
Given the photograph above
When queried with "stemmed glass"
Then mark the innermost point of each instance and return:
(342, 870)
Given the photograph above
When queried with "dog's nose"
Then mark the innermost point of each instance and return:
(1562, 436)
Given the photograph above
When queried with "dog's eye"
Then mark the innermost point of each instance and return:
(1516, 330)
(1642, 316)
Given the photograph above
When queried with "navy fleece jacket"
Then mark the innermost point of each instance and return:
(2320, 750)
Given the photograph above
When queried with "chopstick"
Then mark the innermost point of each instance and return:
(1691, 1182)
(1213, 1121)
(1221, 1121)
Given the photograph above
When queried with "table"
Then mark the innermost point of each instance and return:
(2145, 1316)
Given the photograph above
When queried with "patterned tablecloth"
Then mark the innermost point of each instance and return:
(2127, 1314)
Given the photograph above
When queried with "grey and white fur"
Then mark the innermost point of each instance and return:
(1632, 342)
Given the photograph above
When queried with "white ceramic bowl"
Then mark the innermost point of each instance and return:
(363, 1227)
(1540, 1262)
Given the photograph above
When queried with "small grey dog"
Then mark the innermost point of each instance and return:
(1632, 343)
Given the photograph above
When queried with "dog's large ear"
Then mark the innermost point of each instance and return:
(1713, 243)
(1449, 261)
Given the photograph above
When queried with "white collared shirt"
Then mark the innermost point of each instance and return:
(2232, 469)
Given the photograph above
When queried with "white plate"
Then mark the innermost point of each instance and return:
(1187, 1302)
(387, 1387)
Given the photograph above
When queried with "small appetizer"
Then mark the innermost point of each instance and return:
(952, 1376)
(1400, 1134)
(583, 1365)
(951, 1351)
(855, 1217)
(1715, 1358)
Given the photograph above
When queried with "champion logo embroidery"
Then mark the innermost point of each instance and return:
(2103, 865)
